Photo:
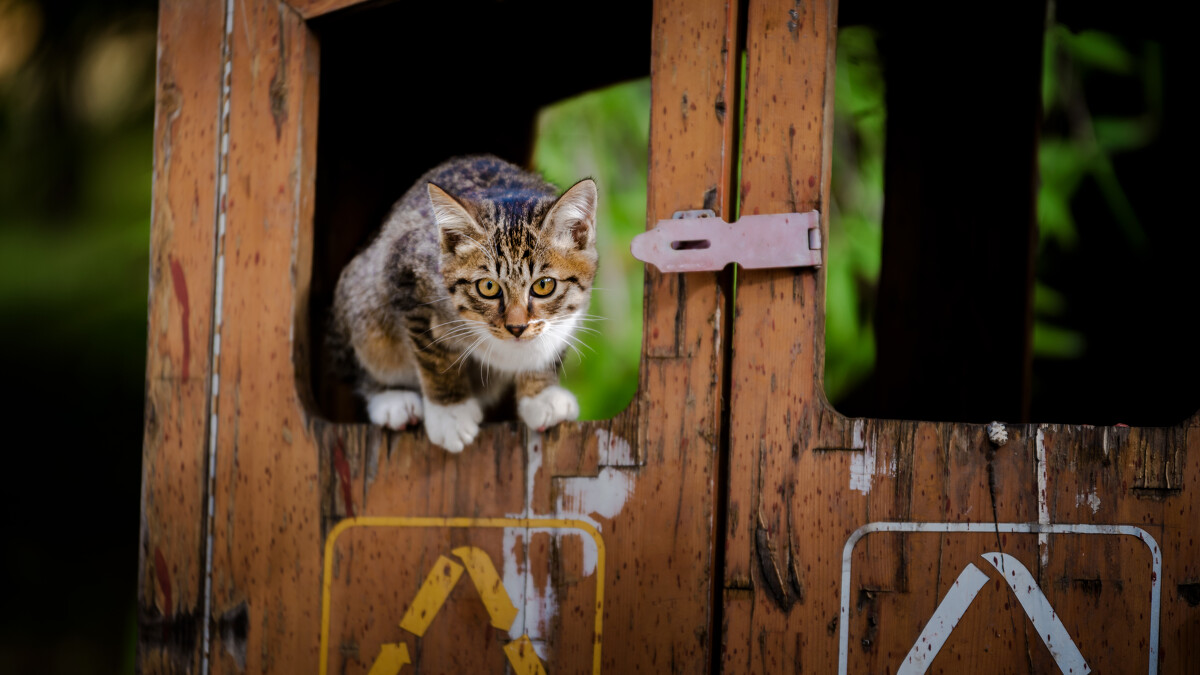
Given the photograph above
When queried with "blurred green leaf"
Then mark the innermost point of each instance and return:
(1097, 50)
(1056, 342)
(605, 134)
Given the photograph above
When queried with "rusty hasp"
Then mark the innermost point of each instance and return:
(698, 241)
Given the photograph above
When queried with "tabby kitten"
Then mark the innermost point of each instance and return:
(470, 291)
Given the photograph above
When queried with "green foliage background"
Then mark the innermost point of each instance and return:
(605, 134)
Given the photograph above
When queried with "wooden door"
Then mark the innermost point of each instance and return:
(864, 545)
(274, 541)
(728, 521)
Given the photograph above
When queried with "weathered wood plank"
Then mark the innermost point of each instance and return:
(266, 523)
(789, 509)
(179, 337)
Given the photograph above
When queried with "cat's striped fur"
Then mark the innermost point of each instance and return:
(412, 312)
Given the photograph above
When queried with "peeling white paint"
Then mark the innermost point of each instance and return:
(579, 498)
(605, 495)
(856, 436)
(862, 464)
(1043, 480)
(1090, 498)
(614, 450)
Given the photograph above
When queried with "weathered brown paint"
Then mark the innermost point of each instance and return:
(284, 478)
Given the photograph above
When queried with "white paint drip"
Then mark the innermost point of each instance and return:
(580, 499)
(1043, 481)
(862, 464)
(614, 450)
(1090, 498)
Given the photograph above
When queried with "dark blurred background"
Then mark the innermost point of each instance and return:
(76, 121)
(1114, 286)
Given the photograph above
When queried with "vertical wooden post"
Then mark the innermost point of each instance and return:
(789, 90)
(178, 363)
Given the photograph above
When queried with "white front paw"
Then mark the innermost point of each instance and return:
(553, 405)
(453, 427)
(394, 409)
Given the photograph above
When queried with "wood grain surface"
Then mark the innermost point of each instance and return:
(171, 571)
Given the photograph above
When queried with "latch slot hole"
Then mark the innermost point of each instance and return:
(690, 244)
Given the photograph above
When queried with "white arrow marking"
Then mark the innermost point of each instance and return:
(950, 611)
(943, 621)
(1039, 611)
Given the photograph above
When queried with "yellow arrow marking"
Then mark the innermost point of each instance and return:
(524, 660)
(433, 593)
(487, 582)
(391, 659)
(583, 527)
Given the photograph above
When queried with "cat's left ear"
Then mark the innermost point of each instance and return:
(457, 229)
(571, 222)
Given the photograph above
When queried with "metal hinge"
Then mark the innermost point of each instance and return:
(699, 241)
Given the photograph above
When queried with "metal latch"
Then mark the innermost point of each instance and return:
(699, 241)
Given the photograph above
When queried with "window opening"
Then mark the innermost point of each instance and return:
(396, 100)
(1110, 276)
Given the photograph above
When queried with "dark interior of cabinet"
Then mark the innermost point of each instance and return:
(404, 86)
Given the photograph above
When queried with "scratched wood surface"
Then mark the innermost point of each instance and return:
(804, 478)
(178, 372)
(291, 492)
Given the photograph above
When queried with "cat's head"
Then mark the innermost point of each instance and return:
(519, 269)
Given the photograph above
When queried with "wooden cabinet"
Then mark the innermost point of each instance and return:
(728, 521)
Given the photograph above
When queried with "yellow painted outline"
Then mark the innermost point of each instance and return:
(415, 521)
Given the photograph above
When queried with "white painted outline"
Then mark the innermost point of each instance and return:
(1008, 528)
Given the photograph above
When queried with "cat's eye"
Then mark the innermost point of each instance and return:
(488, 288)
(543, 287)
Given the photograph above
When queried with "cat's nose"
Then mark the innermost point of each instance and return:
(516, 330)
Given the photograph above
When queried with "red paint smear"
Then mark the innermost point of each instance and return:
(164, 579)
(343, 472)
(180, 285)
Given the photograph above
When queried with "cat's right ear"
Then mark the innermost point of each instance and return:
(457, 229)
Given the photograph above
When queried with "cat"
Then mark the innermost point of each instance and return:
(470, 291)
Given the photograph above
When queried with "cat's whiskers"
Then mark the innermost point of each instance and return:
(462, 330)
(466, 353)
(465, 327)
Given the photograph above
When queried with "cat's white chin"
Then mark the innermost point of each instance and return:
(535, 354)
